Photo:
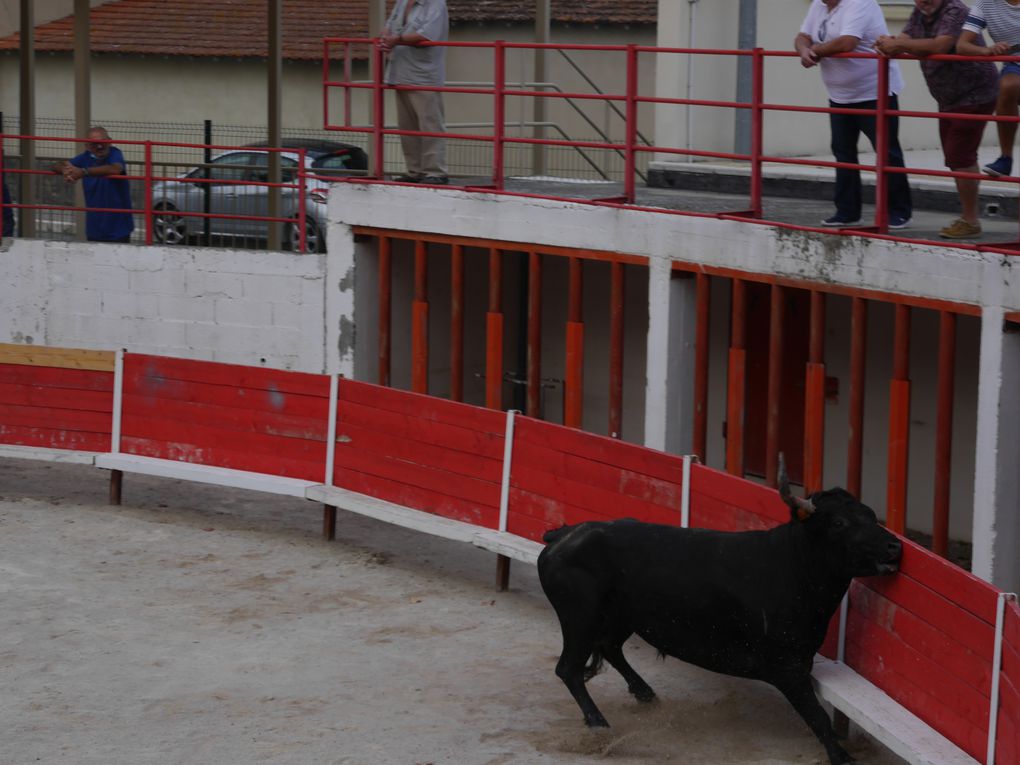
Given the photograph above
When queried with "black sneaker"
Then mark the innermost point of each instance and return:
(840, 221)
(407, 178)
(898, 222)
(435, 180)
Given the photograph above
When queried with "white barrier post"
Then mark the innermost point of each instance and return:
(117, 476)
(503, 561)
(118, 401)
(329, 511)
(508, 450)
(685, 492)
(334, 391)
(993, 704)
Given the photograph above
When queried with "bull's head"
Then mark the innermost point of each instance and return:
(845, 528)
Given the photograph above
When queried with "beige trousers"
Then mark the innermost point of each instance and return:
(422, 110)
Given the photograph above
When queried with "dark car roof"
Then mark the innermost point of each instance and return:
(314, 146)
(317, 148)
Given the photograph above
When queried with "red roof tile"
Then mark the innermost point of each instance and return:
(237, 28)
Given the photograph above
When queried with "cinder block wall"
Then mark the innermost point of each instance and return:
(243, 307)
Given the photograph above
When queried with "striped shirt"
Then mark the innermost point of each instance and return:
(997, 17)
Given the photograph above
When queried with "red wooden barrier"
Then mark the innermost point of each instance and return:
(419, 451)
(245, 418)
(562, 475)
(925, 637)
(56, 399)
(1008, 731)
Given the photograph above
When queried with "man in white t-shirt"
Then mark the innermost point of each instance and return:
(844, 26)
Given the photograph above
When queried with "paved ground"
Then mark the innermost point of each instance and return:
(203, 625)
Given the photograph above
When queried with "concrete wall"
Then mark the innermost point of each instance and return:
(233, 306)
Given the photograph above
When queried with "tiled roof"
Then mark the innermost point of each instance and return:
(237, 28)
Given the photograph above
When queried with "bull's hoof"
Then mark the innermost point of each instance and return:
(596, 721)
(840, 756)
(644, 695)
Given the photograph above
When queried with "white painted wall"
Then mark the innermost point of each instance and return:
(220, 305)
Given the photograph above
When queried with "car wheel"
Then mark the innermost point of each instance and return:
(315, 240)
(168, 228)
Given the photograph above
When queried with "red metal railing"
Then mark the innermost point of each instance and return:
(150, 176)
(630, 148)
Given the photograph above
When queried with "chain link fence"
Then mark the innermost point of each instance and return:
(469, 160)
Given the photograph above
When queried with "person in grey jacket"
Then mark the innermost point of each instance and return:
(412, 23)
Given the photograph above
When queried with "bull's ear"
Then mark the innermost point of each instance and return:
(800, 508)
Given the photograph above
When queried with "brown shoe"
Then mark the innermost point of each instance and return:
(960, 229)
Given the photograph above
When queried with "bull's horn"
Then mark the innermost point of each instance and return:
(802, 507)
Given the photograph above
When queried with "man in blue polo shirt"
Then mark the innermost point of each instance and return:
(99, 168)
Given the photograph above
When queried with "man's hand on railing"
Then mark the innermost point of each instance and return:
(808, 57)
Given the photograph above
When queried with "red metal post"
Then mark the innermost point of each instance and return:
(534, 362)
(325, 87)
(630, 152)
(899, 423)
(573, 389)
(882, 147)
(736, 384)
(944, 432)
(385, 302)
(703, 296)
(757, 129)
(148, 191)
(420, 321)
(494, 334)
(379, 114)
(494, 370)
(499, 112)
(457, 323)
(814, 397)
(616, 350)
(773, 412)
(302, 215)
(858, 356)
(347, 89)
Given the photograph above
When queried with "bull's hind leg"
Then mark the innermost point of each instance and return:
(613, 653)
(577, 647)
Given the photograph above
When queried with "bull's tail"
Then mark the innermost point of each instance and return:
(594, 665)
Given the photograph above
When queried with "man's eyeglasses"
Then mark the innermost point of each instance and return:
(822, 30)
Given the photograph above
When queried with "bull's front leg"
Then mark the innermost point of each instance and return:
(801, 695)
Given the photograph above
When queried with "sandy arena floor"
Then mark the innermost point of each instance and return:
(212, 626)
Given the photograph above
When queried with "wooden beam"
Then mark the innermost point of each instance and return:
(61, 358)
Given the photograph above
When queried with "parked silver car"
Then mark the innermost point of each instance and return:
(229, 195)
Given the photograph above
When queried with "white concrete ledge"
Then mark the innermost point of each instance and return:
(877, 713)
(238, 479)
(48, 455)
(500, 542)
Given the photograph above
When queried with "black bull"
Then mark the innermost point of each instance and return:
(753, 604)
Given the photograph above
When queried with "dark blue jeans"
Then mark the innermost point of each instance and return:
(846, 130)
